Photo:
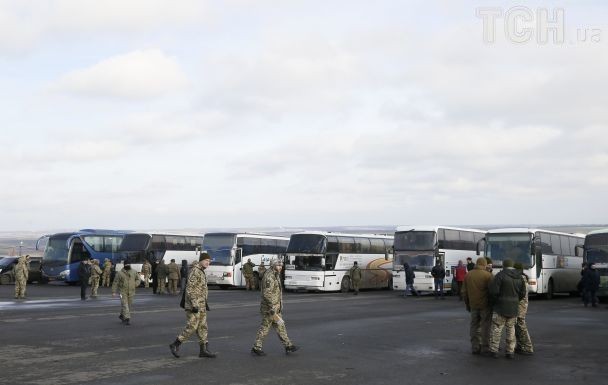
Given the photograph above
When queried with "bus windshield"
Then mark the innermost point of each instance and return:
(219, 247)
(134, 242)
(307, 243)
(597, 248)
(308, 262)
(418, 262)
(515, 247)
(415, 240)
(56, 249)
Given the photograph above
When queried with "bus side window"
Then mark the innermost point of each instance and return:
(238, 256)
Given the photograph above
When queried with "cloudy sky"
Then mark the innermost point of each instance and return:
(193, 114)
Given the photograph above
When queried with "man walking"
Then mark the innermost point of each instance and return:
(95, 275)
(271, 308)
(506, 290)
(173, 270)
(409, 280)
(125, 282)
(248, 274)
(475, 294)
(22, 272)
(438, 276)
(84, 273)
(355, 277)
(196, 307)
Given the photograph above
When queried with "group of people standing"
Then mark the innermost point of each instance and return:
(91, 274)
(496, 303)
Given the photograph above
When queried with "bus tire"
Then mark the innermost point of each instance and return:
(223, 287)
(345, 285)
(550, 289)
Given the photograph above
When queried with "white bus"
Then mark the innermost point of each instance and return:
(320, 261)
(421, 246)
(548, 257)
(229, 251)
(137, 247)
(596, 252)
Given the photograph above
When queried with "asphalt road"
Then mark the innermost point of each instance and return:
(374, 338)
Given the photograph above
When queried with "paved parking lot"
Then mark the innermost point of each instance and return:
(374, 338)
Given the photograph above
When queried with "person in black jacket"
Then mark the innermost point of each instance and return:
(438, 276)
(590, 283)
(184, 271)
(470, 264)
(409, 279)
(84, 273)
(154, 276)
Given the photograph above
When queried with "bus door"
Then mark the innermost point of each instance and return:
(237, 267)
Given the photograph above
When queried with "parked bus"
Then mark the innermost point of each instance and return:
(422, 246)
(548, 257)
(595, 250)
(137, 247)
(229, 251)
(64, 251)
(320, 261)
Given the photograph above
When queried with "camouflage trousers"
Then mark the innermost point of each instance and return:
(197, 322)
(126, 303)
(498, 323)
(524, 343)
(481, 321)
(355, 284)
(173, 285)
(106, 279)
(147, 280)
(20, 288)
(267, 322)
(161, 285)
(249, 282)
(94, 286)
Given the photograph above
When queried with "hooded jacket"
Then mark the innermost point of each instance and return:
(506, 290)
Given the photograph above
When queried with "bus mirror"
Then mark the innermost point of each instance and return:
(538, 251)
(578, 250)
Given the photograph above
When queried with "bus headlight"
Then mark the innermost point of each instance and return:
(64, 274)
(532, 282)
(315, 278)
(227, 274)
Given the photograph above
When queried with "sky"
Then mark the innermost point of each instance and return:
(194, 114)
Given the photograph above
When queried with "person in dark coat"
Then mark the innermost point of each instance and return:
(184, 271)
(84, 273)
(154, 276)
(470, 264)
(438, 276)
(591, 284)
(409, 279)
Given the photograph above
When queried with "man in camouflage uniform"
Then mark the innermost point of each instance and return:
(355, 276)
(107, 272)
(21, 275)
(506, 290)
(173, 275)
(125, 283)
(475, 294)
(146, 270)
(261, 272)
(162, 271)
(523, 345)
(271, 308)
(95, 275)
(196, 307)
(248, 274)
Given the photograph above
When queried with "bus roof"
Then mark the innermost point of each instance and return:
(165, 233)
(527, 230)
(246, 234)
(435, 228)
(329, 233)
(600, 231)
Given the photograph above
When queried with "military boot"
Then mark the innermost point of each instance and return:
(257, 351)
(290, 349)
(175, 347)
(204, 352)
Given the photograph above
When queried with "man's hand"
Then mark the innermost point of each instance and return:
(194, 310)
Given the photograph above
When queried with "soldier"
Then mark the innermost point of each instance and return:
(475, 294)
(196, 307)
(21, 275)
(146, 270)
(161, 272)
(173, 270)
(248, 274)
(355, 277)
(125, 283)
(95, 274)
(271, 308)
(107, 272)
(261, 272)
(523, 343)
(506, 290)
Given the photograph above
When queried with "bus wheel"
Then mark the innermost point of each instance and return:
(345, 285)
(549, 294)
(224, 287)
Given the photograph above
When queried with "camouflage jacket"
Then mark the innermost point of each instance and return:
(22, 270)
(196, 289)
(355, 273)
(161, 270)
(173, 270)
(248, 269)
(95, 271)
(272, 295)
(125, 282)
(107, 267)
